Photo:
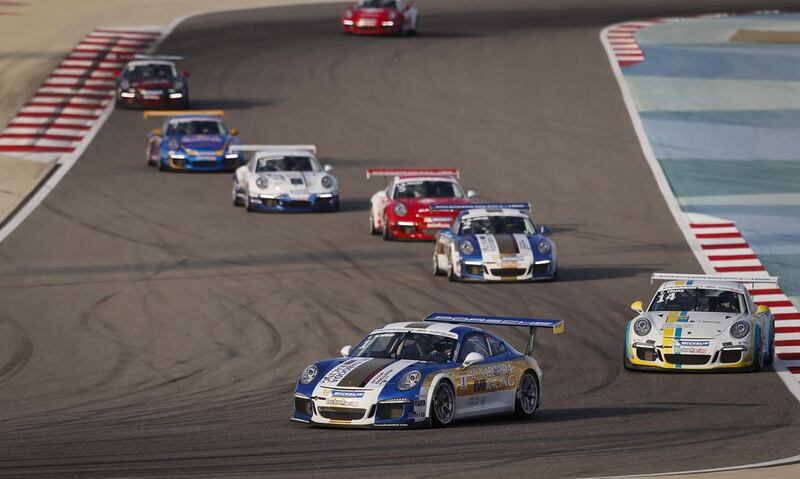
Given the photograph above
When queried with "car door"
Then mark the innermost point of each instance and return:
(477, 386)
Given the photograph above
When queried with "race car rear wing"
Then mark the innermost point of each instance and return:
(168, 58)
(162, 113)
(532, 324)
(274, 148)
(691, 277)
(401, 172)
(481, 206)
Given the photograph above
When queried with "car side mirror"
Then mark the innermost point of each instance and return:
(345, 351)
(234, 132)
(185, 74)
(761, 310)
(327, 168)
(155, 132)
(637, 306)
(472, 194)
(472, 358)
(544, 230)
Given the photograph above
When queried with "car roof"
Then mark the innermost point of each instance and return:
(493, 212)
(409, 178)
(278, 154)
(704, 283)
(136, 63)
(182, 118)
(427, 327)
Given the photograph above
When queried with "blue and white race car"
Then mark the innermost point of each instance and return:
(494, 242)
(192, 141)
(426, 373)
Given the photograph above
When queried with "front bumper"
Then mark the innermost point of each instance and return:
(367, 410)
(680, 354)
(480, 271)
(137, 99)
(370, 29)
(416, 229)
(312, 203)
(202, 163)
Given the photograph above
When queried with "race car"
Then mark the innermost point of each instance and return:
(701, 323)
(381, 17)
(152, 81)
(493, 242)
(402, 211)
(284, 178)
(192, 141)
(425, 373)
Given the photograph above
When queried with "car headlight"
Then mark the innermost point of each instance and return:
(400, 209)
(262, 182)
(309, 374)
(124, 84)
(409, 380)
(740, 329)
(642, 327)
(466, 248)
(174, 145)
(543, 247)
(327, 181)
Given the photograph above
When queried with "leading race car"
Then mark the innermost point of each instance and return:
(381, 17)
(494, 242)
(284, 178)
(701, 323)
(192, 141)
(402, 211)
(424, 374)
(152, 81)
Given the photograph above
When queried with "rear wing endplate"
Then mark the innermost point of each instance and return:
(481, 206)
(400, 172)
(274, 148)
(532, 324)
(691, 277)
(163, 113)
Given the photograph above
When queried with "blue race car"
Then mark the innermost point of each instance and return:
(424, 374)
(493, 242)
(192, 141)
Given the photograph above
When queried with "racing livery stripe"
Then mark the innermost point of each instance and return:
(506, 244)
(380, 377)
(361, 374)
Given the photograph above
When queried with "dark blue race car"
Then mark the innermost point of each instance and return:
(192, 141)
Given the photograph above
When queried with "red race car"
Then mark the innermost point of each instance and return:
(402, 210)
(381, 17)
(152, 81)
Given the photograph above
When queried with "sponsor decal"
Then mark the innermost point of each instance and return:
(339, 372)
(487, 378)
(693, 342)
(347, 394)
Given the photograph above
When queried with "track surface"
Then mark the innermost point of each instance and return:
(148, 328)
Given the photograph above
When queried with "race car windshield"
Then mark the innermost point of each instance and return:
(378, 3)
(428, 189)
(406, 345)
(700, 300)
(196, 127)
(287, 163)
(156, 71)
(496, 225)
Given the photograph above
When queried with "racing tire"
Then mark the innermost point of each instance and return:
(387, 235)
(372, 229)
(161, 166)
(414, 30)
(236, 200)
(771, 351)
(247, 205)
(758, 358)
(451, 274)
(436, 270)
(443, 405)
(527, 398)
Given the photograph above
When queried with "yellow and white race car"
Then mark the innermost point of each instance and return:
(701, 323)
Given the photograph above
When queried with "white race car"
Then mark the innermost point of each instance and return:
(698, 322)
(284, 178)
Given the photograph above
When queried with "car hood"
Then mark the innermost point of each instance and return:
(694, 324)
(161, 83)
(203, 142)
(423, 205)
(496, 246)
(366, 373)
(372, 12)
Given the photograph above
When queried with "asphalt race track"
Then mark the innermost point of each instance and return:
(149, 328)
